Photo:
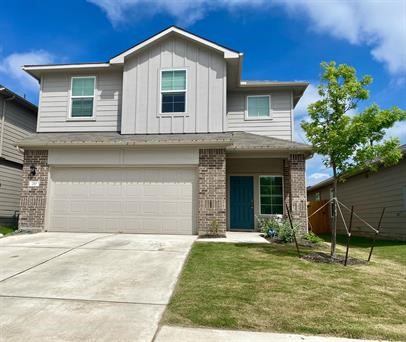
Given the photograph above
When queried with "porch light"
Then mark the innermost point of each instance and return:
(33, 170)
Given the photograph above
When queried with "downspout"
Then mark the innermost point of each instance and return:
(3, 120)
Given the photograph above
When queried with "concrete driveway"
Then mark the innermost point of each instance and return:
(87, 287)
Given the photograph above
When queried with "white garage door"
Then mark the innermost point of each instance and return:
(129, 200)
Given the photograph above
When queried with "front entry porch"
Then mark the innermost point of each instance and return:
(259, 185)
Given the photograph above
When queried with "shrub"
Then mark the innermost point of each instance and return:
(277, 228)
(310, 236)
(214, 228)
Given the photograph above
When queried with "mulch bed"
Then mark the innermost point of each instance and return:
(327, 259)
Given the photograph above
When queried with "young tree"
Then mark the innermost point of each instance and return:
(349, 142)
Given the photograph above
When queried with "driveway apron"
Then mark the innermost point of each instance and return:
(89, 287)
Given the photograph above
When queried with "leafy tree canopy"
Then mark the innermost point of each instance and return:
(348, 141)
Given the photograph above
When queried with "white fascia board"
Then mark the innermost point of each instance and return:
(227, 53)
(36, 70)
(64, 66)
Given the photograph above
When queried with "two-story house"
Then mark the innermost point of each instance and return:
(165, 138)
(18, 119)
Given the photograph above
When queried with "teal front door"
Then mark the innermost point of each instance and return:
(242, 202)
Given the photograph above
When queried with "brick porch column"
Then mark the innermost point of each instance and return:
(295, 189)
(212, 191)
(33, 198)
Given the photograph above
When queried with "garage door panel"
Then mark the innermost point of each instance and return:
(61, 207)
(133, 200)
(132, 207)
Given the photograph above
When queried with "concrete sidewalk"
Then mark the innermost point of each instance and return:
(172, 334)
(237, 237)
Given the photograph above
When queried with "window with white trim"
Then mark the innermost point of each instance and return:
(258, 107)
(82, 97)
(173, 91)
(271, 195)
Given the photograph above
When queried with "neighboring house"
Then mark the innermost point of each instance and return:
(162, 138)
(18, 119)
(369, 192)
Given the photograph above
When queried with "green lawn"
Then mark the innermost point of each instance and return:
(267, 288)
(6, 230)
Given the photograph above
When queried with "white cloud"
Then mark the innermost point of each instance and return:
(381, 25)
(398, 131)
(185, 12)
(316, 171)
(11, 66)
(318, 176)
(378, 24)
(310, 95)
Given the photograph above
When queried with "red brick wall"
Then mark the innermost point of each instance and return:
(212, 191)
(33, 199)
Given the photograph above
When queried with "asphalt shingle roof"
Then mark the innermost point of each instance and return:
(233, 141)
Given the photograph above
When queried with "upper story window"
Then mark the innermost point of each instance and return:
(173, 91)
(82, 97)
(258, 107)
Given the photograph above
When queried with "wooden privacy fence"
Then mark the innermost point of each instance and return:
(320, 221)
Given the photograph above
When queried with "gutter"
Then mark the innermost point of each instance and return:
(68, 144)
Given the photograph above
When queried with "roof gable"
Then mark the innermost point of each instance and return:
(228, 53)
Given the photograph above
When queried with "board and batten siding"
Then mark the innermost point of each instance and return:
(205, 96)
(279, 125)
(10, 189)
(18, 122)
(55, 103)
(369, 193)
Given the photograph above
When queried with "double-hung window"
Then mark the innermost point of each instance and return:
(82, 97)
(271, 195)
(173, 91)
(258, 107)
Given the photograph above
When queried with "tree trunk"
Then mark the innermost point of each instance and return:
(334, 213)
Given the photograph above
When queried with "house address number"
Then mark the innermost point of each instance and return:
(33, 184)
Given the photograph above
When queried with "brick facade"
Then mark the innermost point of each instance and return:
(33, 198)
(212, 192)
(295, 189)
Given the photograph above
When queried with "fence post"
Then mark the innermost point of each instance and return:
(349, 236)
(293, 230)
(376, 234)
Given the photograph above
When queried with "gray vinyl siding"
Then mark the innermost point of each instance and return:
(278, 126)
(369, 193)
(206, 89)
(10, 189)
(18, 123)
(55, 103)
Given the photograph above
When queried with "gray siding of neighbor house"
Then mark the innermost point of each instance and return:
(55, 103)
(206, 89)
(18, 123)
(280, 125)
(10, 190)
(369, 194)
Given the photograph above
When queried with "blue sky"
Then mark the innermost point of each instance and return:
(281, 40)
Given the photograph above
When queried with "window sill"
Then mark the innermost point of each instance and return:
(177, 114)
(81, 119)
(262, 118)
